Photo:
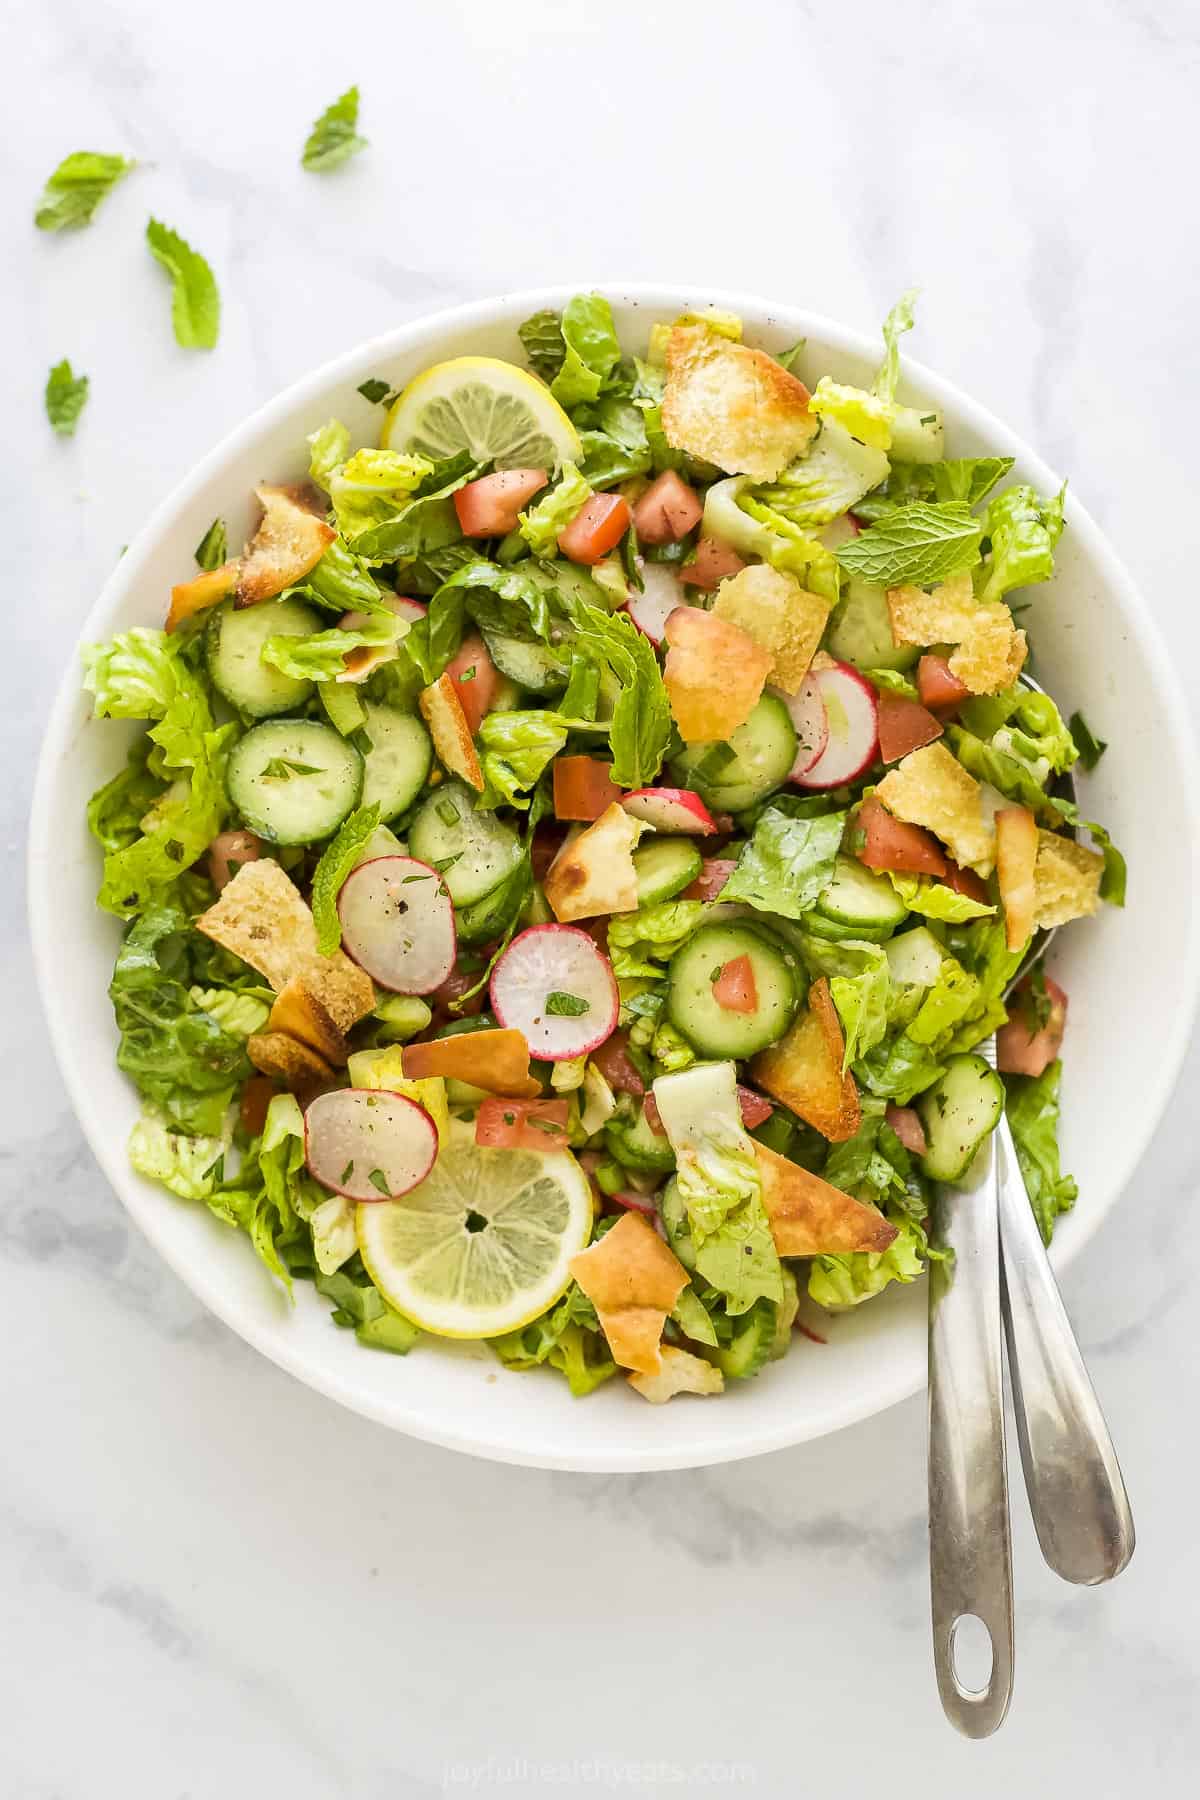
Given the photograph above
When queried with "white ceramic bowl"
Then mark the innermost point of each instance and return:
(1132, 975)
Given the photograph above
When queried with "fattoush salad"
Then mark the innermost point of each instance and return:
(579, 842)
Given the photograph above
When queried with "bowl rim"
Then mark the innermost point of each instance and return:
(141, 1201)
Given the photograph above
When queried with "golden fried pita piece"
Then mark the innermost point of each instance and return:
(1066, 880)
(291, 539)
(261, 916)
(733, 406)
(931, 788)
(808, 1217)
(681, 1373)
(198, 595)
(1016, 860)
(783, 618)
(443, 712)
(991, 651)
(296, 1065)
(495, 1060)
(804, 1070)
(593, 873)
(633, 1280)
(714, 674)
(300, 1014)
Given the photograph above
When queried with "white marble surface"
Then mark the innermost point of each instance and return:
(214, 1583)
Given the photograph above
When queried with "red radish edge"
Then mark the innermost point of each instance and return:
(811, 721)
(670, 810)
(345, 1111)
(661, 594)
(546, 959)
(853, 715)
(374, 900)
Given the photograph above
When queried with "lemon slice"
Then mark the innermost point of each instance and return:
(483, 1244)
(498, 412)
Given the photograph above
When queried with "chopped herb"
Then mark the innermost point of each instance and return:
(928, 418)
(213, 547)
(550, 1126)
(468, 674)
(379, 393)
(1090, 747)
(346, 1173)
(566, 1006)
(280, 768)
(334, 138)
(409, 878)
(1038, 1004)
(448, 813)
(787, 358)
(378, 1179)
(510, 1118)
(447, 862)
(77, 187)
(66, 393)
(715, 974)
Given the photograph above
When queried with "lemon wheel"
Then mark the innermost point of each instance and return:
(500, 413)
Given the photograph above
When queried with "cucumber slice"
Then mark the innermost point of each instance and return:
(763, 751)
(664, 867)
(233, 641)
(398, 761)
(915, 958)
(472, 850)
(712, 1029)
(861, 632)
(294, 781)
(676, 1224)
(486, 919)
(751, 1345)
(958, 1114)
(859, 897)
(632, 1143)
(343, 706)
(534, 667)
(833, 933)
(917, 435)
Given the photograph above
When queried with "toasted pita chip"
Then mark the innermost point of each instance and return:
(931, 788)
(992, 654)
(714, 674)
(297, 1065)
(680, 1373)
(299, 1014)
(1066, 880)
(804, 1070)
(207, 590)
(495, 1060)
(941, 617)
(782, 617)
(345, 991)
(809, 1217)
(594, 873)
(991, 651)
(633, 1281)
(733, 406)
(291, 539)
(261, 916)
(442, 711)
(1016, 859)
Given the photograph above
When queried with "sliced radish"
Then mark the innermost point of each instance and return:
(404, 608)
(755, 1110)
(906, 1123)
(811, 721)
(398, 924)
(555, 986)
(853, 717)
(711, 879)
(670, 810)
(839, 531)
(661, 594)
(617, 1067)
(638, 1203)
(368, 1143)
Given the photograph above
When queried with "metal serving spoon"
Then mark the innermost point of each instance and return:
(1080, 1508)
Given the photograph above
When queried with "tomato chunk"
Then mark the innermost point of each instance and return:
(228, 852)
(891, 844)
(597, 528)
(489, 507)
(711, 879)
(905, 1121)
(904, 725)
(583, 788)
(965, 881)
(755, 1110)
(257, 1096)
(667, 510)
(735, 989)
(1022, 1051)
(939, 690)
(712, 564)
(476, 678)
(521, 1124)
(617, 1066)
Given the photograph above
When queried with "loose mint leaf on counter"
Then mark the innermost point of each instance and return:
(334, 138)
(66, 394)
(76, 188)
(195, 302)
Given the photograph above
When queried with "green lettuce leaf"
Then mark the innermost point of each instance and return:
(590, 350)
(424, 523)
(898, 321)
(733, 514)
(616, 445)
(567, 1338)
(964, 478)
(115, 811)
(787, 863)
(541, 334)
(1023, 529)
(341, 582)
(213, 547)
(1090, 747)
(922, 894)
(195, 302)
(66, 395)
(898, 1068)
(918, 544)
(76, 188)
(1026, 725)
(550, 516)
(841, 1281)
(1033, 1107)
(640, 727)
(240, 1014)
(518, 747)
(322, 655)
(861, 1000)
(640, 942)
(337, 859)
(334, 138)
(865, 417)
(188, 1166)
(373, 489)
(836, 472)
(328, 448)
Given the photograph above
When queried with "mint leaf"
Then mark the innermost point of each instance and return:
(334, 138)
(66, 393)
(917, 544)
(1090, 747)
(77, 187)
(337, 860)
(213, 547)
(195, 302)
(566, 1006)
(544, 344)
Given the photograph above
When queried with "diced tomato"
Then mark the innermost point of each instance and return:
(755, 1110)
(891, 844)
(906, 1123)
(521, 1124)
(965, 881)
(667, 510)
(583, 788)
(1020, 1051)
(939, 690)
(597, 528)
(904, 725)
(652, 1116)
(228, 852)
(475, 679)
(712, 564)
(638, 1203)
(257, 1095)
(489, 507)
(617, 1067)
(711, 879)
(735, 989)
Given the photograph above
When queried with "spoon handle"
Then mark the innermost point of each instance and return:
(1076, 1492)
(970, 1558)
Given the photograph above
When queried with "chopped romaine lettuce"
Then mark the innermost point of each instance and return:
(543, 524)
(787, 863)
(1033, 1108)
